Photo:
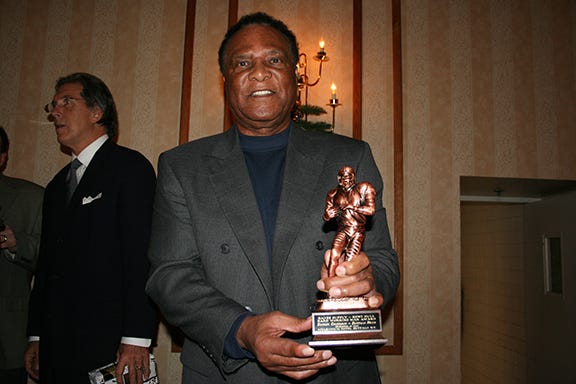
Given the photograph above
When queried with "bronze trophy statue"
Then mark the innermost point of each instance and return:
(347, 321)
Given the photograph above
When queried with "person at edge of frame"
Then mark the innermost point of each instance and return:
(20, 226)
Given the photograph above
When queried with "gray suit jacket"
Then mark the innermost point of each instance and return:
(209, 256)
(21, 209)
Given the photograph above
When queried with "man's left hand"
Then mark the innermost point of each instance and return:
(8, 239)
(138, 362)
(353, 278)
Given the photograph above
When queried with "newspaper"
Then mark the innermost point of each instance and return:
(105, 374)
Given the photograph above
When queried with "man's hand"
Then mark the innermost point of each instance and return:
(262, 335)
(138, 362)
(8, 239)
(31, 359)
(353, 278)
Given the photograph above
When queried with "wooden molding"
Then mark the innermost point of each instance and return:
(186, 97)
(357, 70)
(397, 347)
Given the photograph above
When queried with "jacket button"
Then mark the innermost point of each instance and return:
(225, 248)
(319, 245)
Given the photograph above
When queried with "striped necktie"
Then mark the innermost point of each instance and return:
(72, 178)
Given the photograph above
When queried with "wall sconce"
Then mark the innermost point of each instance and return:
(303, 109)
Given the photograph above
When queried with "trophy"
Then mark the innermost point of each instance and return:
(347, 321)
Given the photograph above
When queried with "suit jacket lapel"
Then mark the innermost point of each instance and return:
(303, 166)
(59, 189)
(233, 189)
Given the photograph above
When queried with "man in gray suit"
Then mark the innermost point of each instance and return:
(238, 238)
(20, 224)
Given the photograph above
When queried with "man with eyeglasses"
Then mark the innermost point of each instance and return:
(88, 306)
(20, 222)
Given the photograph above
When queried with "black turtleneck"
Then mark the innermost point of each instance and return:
(265, 158)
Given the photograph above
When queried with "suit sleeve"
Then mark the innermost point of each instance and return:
(35, 302)
(378, 244)
(136, 195)
(27, 230)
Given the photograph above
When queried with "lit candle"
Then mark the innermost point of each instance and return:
(321, 45)
(333, 88)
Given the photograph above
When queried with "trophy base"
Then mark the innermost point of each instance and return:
(346, 322)
(351, 340)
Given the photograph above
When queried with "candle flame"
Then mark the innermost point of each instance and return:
(321, 43)
(333, 88)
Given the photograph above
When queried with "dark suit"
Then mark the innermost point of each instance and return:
(209, 254)
(92, 266)
(21, 209)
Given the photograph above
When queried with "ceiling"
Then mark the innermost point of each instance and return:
(498, 187)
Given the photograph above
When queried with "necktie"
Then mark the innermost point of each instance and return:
(72, 178)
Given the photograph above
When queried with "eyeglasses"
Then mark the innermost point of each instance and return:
(67, 102)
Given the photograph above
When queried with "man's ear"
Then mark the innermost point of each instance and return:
(96, 114)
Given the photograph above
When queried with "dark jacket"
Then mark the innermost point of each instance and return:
(92, 268)
(21, 209)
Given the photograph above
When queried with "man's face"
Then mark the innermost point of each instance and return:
(260, 80)
(75, 123)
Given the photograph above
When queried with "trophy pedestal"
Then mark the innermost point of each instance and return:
(346, 322)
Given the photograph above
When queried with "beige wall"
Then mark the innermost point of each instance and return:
(488, 91)
(493, 294)
(134, 46)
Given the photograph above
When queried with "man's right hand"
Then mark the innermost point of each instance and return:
(31, 359)
(262, 335)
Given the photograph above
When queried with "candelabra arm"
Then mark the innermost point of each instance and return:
(303, 63)
(333, 104)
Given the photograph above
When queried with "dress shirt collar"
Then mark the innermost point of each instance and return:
(88, 153)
